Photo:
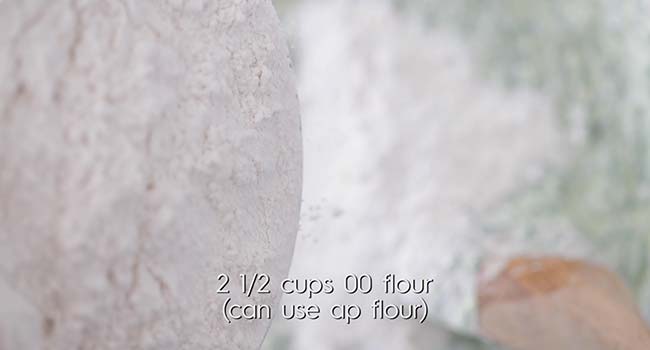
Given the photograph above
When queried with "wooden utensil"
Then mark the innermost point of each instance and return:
(555, 303)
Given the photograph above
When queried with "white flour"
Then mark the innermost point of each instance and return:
(406, 150)
(145, 147)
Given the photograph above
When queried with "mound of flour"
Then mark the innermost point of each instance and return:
(408, 151)
(145, 148)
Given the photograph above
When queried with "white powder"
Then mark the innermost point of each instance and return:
(407, 151)
(145, 147)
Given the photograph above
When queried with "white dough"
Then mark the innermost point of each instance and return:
(145, 147)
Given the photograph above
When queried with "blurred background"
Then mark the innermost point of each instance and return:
(442, 134)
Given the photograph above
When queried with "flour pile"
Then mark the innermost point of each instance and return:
(408, 149)
(145, 148)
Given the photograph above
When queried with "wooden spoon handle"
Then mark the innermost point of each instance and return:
(555, 303)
